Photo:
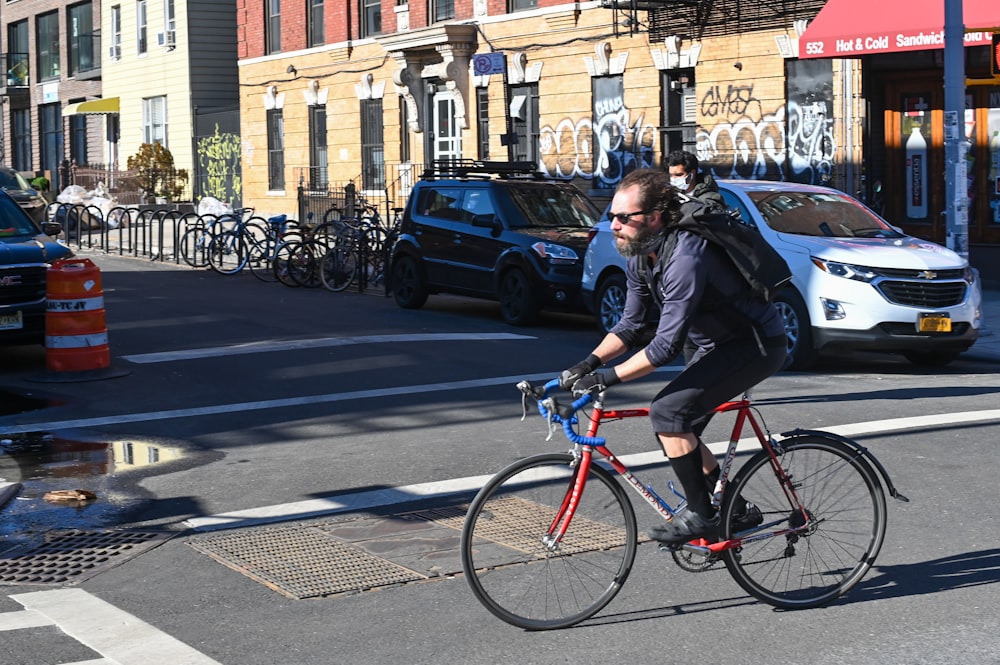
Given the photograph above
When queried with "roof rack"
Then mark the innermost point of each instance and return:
(465, 167)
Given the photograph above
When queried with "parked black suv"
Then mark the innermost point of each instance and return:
(496, 230)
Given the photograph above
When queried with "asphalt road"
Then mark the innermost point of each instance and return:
(339, 410)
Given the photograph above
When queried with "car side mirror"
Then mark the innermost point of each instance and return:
(487, 222)
(51, 228)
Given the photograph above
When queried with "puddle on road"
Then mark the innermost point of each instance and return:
(43, 463)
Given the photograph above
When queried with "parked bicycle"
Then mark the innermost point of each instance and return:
(551, 539)
(361, 252)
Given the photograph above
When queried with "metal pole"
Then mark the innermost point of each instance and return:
(955, 144)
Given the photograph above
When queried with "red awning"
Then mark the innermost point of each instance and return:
(847, 28)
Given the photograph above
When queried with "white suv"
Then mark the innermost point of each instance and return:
(858, 283)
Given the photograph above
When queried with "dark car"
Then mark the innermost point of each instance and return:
(494, 230)
(30, 200)
(26, 250)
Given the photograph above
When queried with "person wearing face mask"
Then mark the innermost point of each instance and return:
(683, 169)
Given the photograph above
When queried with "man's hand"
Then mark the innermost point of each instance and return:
(595, 382)
(569, 377)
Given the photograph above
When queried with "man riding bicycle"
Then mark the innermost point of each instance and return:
(740, 339)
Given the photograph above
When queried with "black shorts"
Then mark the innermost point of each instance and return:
(685, 405)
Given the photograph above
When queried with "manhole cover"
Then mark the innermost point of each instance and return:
(74, 555)
(302, 561)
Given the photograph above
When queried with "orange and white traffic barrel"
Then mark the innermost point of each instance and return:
(76, 336)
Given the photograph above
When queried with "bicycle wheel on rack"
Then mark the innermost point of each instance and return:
(227, 253)
(338, 267)
(194, 246)
(524, 581)
(259, 255)
(844, 502)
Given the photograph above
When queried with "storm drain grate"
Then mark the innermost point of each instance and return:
(302, 561)
(74, 555)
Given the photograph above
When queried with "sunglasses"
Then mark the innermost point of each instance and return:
(624, 218)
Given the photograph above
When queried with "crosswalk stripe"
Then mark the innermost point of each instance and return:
(121, 638)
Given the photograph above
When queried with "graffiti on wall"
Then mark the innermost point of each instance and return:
(794, 142)
(602, 148)
(219, 166)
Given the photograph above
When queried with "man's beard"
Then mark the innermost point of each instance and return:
(645, 241)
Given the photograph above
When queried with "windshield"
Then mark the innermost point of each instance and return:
(13, 180)
(553, 206)
(14, 223)
(825, 214)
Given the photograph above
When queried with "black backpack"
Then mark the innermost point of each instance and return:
(759, 263)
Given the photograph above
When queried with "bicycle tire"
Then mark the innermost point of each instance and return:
(259, 258)
(194, 246)
(845, 501)
(338, 268)
(521, 581)
(227, 253)
(282, 257)
(303, 264)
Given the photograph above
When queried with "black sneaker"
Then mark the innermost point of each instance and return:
(746, 516)
(686, 525)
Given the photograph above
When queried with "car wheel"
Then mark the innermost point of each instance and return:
(801, 353)
(518, 303)
(407, 286)
(931, 358)
(610, 302)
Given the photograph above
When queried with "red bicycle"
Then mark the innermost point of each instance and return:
(551, 539)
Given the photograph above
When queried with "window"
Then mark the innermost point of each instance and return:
(81, 39)
(17, 54)
(442, 10)
(21, 149)
(115, 50)
(483, 118)
(273, 33)
(317, 30)
(372, 145)
(141, 28)
(275, 149)
(524, 121)
(169, 16)
(516, 5)
(47, 30)
(679, 109)
(404, 131)
(154, 120)
(371, 17)
(318, 177)
(78, 139)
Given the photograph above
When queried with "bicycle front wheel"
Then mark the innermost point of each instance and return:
(839, 528)
(338, 268)
(515, 570)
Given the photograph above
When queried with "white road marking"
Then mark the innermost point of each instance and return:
(122, 638)
(403, 494)
(268, 346)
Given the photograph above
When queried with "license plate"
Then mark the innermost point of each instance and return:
(934, 322)
(11, 321)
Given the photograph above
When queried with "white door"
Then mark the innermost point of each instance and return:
(446, 137)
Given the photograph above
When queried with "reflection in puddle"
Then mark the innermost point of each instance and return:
(44, 463)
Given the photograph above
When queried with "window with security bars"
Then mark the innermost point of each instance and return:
(317, 29)
(483, 118)
(154, 120)
(275, 149)
(318, 171)
(372, 145)
(441, 10)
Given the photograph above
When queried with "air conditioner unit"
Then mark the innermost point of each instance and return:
(115, 52)
(166, 39)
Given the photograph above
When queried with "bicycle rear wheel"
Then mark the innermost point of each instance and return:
(227, 253)
(504, 554)
(338, 268)
(844, 504)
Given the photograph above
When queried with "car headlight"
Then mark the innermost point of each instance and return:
(845, 270)
(557, 254)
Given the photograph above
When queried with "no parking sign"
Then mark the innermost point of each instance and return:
(484, 64)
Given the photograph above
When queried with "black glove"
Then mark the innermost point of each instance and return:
(576, 372)
(596, 382)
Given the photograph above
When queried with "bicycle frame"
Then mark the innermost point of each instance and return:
(587, 445)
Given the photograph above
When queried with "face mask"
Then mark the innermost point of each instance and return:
(679, 181)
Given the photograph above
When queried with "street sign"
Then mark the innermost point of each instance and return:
(484, 64)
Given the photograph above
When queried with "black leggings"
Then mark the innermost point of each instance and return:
(686, 403)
